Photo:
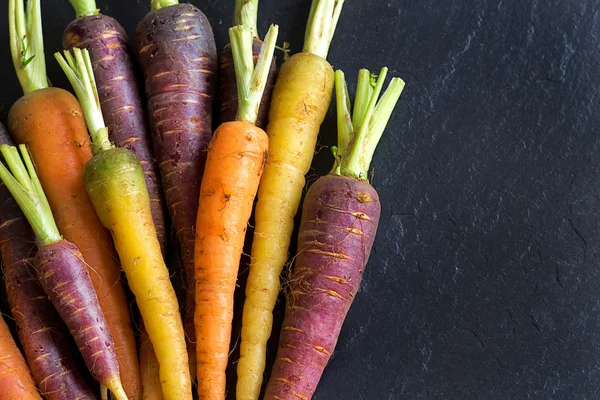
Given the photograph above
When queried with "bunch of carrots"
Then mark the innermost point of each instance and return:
(87, 180)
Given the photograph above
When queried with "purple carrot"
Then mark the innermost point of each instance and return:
(177, 53)
(119, 93)
(339, 221)
(62, 272)
(246, 12)
(40, 329)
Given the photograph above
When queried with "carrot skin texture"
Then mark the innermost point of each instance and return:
(41, 331)
(299, 104)
(228, 97)
(115, 182)
(177, 52)
(149, 367)
(15, 379)
(339, 221)
(65, 279)
(235, 162)
(50, 122)
(119, 93)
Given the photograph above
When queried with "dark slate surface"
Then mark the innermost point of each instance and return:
(483, 283)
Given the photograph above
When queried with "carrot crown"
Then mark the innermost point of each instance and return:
(246, 14)
(322, 20)
(27, 44)
(158, 4)
(24, 185)
(359, 132)
(84, 8)
(78, 68)
(251, 80)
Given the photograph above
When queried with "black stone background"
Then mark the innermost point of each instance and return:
(483, 282)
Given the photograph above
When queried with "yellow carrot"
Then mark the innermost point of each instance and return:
(299, 103)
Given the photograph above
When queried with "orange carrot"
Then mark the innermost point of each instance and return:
(15, 379)
(236, 157)
(50, 121)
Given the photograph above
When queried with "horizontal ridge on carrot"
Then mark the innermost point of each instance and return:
(177, 52)
(299, 103)
(114, 179)
(236, 157)
(15, 379)
(62, 272)
(246, 13)
(120, 99)
(339, 220)
(50, 122)
(39, 327)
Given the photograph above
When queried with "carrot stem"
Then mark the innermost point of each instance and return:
(80, 73)
(322, 21)
(246, 14)
(158, 4)
(27, 44)
(23, 183)
(368, 126)
(251, 80)
(84, 8)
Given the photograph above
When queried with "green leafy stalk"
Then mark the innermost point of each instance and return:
(370, 119)
(251, 80)
(81, 75)
(84, 8)
(322, 21)
(27, 44)
(25, 187)
(246, 14)
(158, 4)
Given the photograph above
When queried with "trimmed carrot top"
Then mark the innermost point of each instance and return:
(23, 183)
(246, 14)
(322, 21)
(27, 44)
(80, 73)
(359, 132)
(251, 79)
(158, 4)
(84, 8)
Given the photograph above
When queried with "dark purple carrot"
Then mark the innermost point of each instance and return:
(339, 220)
(176, 50)
(119, 92)
(246, 12)
(62, 272)
(40, 329)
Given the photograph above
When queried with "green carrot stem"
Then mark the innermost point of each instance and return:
(364, 92)
(344, 119)
(322, 21)
(251, 80)
(80, 73)
(27, 44)
(246, 14)
(158, 4)
(356, 158)
(84, 8)
(25, 187)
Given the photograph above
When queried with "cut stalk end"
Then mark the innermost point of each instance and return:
(84, 8)
(246, 14)
(251, 79)
(158, 4)
(79, 71)
(27, 44)
(322, 21)
(22, 182)
(355, 149)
